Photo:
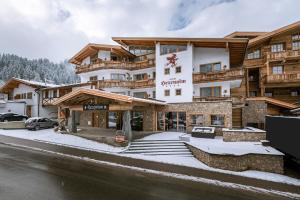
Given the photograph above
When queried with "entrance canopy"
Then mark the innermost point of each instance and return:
(81, 96)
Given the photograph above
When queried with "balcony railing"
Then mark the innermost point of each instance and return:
(49, 101)
(231, 74)
(283, 78)
(234, 99)
(289, 54)
(115, 65)
(254, 62)
(126, 84)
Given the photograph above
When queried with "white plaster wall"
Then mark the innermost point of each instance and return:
(104, 55)
(210, 55)
(185, 60)
(225, 87)
(15, 107)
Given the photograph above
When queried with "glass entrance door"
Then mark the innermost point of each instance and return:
(175, 121)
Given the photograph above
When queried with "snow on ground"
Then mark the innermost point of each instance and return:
(164, 136)
(218, 146)
(49, 136)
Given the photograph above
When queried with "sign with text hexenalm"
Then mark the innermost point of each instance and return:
(95, 107)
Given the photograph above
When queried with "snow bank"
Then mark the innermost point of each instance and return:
(48, 135)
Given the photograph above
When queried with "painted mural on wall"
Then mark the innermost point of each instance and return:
(172, 60)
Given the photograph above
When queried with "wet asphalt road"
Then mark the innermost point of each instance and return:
(26, 174)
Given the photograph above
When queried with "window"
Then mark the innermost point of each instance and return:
(141, 50)
(254, 55)
(55, 93)
(210, 92)
(138, 77)
(167, 71)
(153, 94)
(294, 93)
(166, 49)
(277, 47)
(296, 36)
(178, 92)
(277, 69)
(93, 78)
(217, 120)
(23, 96)
(118, 76)
(29, 95)
(268, 94)
(167, 93)
(196, 120)
(252, 94)
(153, 75)
(296, 45)
(142, 95)
(205, 68)
(178, 69)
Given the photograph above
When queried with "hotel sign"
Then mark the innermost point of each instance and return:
(95, 107)
(173, 82)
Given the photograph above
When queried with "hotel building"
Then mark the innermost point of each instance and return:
(174, 84)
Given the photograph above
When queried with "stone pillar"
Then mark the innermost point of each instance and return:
(73, 122)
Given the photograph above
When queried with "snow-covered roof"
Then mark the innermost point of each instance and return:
(14, 82)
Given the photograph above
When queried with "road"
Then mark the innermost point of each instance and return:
(27, 174)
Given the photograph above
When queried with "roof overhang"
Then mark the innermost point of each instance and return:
(236, 46)
(274, 33)
(273, 102)
(14, 83)
(82, 95)
(92, 49)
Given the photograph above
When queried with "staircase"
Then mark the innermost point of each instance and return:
(159, 147)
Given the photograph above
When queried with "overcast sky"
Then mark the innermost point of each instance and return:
(57, 29)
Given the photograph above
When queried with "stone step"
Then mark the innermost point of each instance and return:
(158, 147)
(157, 150)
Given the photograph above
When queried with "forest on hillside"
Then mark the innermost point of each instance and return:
(41, 70)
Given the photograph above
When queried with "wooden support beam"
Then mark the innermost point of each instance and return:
(119, 107)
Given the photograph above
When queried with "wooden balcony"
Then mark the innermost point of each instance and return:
(125, 84)
(253, 62)
(49, 101)
(234, 99)
(100, 64)
(284, 55)
(283, 78)
(224, 75)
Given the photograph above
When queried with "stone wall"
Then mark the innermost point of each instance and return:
(205, 108)
(260, 162)
(236, 136)
(254, 112)
(87, 116)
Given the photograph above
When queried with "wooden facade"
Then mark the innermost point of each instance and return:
(274, 72)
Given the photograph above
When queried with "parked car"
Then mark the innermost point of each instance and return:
(6, 117)
(36, 123)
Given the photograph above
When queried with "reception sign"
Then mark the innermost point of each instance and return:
(95, 107)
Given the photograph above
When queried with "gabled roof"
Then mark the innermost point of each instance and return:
(92, 48)
(275, 102)
(245, 34)
(104, 94)
(14, 82)
(274, 33)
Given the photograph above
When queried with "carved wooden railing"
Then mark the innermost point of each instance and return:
(253, 62)
(49, 101)
(289, 54)
(282, 78)
(234, 99)
(231, 74)
(115, 65)
(126, 84)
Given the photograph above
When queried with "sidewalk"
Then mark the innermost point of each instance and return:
(151, 165)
